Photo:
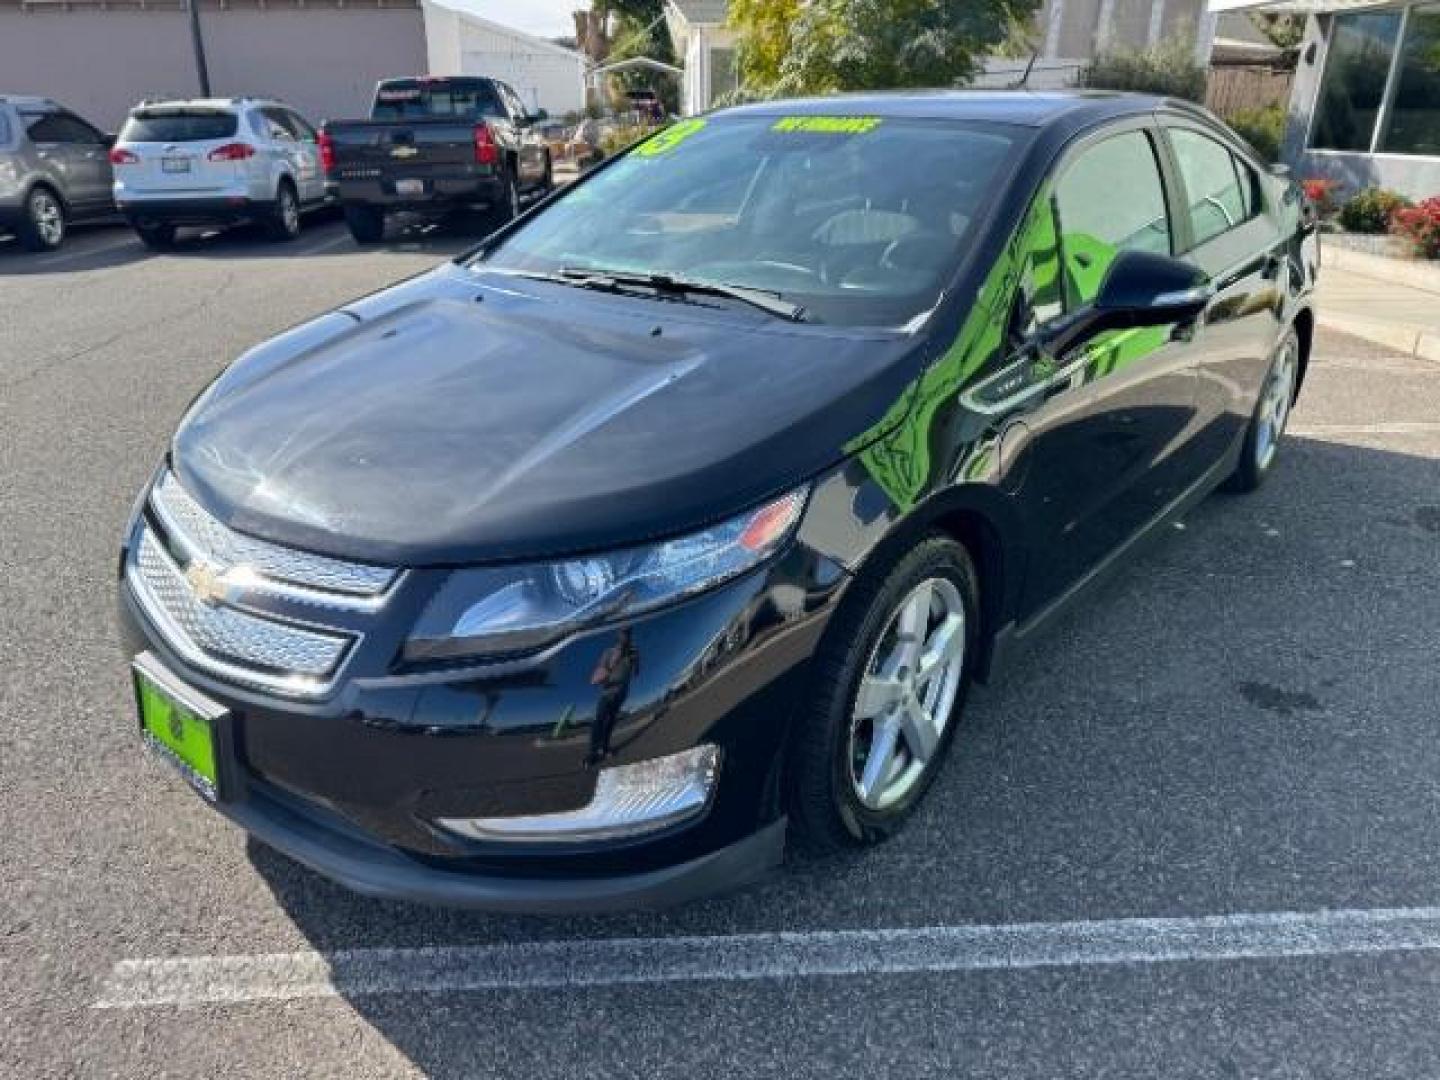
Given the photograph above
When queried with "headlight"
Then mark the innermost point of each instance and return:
(513, 609)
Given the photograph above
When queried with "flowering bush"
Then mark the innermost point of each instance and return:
(1370, 210)
(1421, 226)
(1321, 193)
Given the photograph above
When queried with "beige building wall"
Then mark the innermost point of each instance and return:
(321, 57)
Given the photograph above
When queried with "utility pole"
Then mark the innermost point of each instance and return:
(201, 69)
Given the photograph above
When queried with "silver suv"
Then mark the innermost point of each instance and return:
(216, 161)
(53, 169)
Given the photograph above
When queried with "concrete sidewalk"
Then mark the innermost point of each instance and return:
(1392, 302)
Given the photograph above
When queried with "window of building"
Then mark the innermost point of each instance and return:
(1412, 123)
(1352, 88)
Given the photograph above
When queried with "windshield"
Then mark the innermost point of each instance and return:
(859, 220)
(434, 99)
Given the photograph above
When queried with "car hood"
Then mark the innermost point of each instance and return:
(462, 417)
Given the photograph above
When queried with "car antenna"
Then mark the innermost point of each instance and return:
(1019, 84)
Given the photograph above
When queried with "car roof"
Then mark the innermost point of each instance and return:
(1030, 108)
(207, 103)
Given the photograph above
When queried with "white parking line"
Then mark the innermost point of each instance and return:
(539, 965)
(1393, 427)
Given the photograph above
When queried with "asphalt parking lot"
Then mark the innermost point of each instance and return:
(1124, 870)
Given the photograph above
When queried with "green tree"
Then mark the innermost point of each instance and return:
(764, 38)
(825, 46)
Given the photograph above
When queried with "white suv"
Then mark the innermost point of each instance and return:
(216, 161)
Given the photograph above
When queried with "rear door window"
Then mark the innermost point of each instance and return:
(61, 127)
(1109, 199)
(179, 125)
(1219, 187)
(414, 99)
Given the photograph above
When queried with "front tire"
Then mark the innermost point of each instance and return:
(283, 223)
(1272, 413)
(366, 223)
(891, 679)
(43, 225)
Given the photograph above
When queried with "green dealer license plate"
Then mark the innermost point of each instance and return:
(179, 723)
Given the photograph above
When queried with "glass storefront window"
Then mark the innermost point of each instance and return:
(1353, 86)
(1414, 119)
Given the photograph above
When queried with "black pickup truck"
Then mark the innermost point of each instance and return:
(433, 145)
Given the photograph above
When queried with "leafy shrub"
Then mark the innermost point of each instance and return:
(1168, 68)
(1370, 210)
(1321, 193)
(1421, 226)
(1262, 128)
(617, 138)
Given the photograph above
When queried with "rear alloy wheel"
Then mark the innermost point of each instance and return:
(1272, 413)
(284, 221)
(366, 223)
(156, 237)
(43, 226)
(891, 680)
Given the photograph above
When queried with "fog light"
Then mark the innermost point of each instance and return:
(628, 800)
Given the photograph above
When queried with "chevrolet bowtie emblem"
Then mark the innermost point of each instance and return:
(403, 151)
(206, 582)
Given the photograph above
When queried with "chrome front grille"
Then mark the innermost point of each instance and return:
(243, 608)
(201, 535)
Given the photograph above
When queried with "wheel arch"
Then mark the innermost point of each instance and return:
(1304, 323)
(983, 520)
(41, 180)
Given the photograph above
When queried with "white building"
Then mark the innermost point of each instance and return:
(545, 75)
(706, 48)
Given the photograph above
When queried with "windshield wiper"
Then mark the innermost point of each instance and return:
(772, 303)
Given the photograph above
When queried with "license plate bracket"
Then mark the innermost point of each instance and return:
(182, 725)
(175, 164)
(409, 187)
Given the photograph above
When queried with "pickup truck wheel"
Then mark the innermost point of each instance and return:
(508, 208)
(156, 237)
(283, 222)
(42, 227)
(366, 223)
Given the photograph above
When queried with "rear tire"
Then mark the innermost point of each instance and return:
(1272, 413)
(283, 223)
(43, 225)
(508, 208)
(156, 237)
(837, 799)
(366, 223)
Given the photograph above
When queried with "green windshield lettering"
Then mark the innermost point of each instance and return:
(667, 139)
(828, 125)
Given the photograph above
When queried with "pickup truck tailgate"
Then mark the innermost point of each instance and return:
(412, 149)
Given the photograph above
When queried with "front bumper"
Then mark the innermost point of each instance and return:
(359, 863)
(353, 784)
(228, 210)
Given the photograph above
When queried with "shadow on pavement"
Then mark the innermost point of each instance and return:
(1240, 721)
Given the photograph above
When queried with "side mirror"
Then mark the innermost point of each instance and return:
(1139, 289)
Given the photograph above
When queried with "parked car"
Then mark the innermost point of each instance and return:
(678, 517)
(53, 170)
(436, 145)
(216, 161)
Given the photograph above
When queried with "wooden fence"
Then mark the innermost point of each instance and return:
(1233, 88)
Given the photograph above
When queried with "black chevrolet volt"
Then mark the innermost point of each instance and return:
(670, 525)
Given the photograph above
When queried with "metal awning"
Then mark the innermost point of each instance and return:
(1299, 7)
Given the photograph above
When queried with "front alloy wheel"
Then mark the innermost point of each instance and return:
(890, 681)
(907, 694)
